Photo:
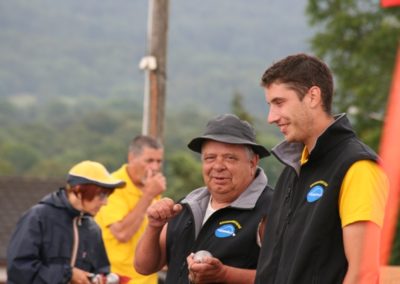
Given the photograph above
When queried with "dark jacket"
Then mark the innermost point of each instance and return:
(303, 238)
(41, 246)
(230, 234)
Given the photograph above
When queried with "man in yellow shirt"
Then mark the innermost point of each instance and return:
(123, 219)
(329, 202)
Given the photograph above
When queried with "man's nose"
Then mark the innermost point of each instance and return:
(272, 116)
(219, 163)
(155, 166)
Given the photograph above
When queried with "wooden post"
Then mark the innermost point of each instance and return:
(155, 65)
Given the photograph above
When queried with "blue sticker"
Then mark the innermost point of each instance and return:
(315, 193)
(225, 231)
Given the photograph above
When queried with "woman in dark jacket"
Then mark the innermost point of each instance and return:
(56, 241)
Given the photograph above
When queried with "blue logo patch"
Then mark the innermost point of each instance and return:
(225, 231)
(315, 193)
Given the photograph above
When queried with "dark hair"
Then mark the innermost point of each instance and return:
(300, 72)
(139, 142)
(89, 191)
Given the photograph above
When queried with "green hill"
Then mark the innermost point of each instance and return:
(71, 89)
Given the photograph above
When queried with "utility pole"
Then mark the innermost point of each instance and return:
(154, 65)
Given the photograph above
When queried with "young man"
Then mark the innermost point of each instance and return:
(57, 241)
(326, 216)
(123, 219)
(223, 217)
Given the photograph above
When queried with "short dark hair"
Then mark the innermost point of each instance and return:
(139, 142)
(300, 72)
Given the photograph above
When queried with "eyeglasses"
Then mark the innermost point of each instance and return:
(103, 195)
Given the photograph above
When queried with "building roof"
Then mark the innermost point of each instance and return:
(17, 194)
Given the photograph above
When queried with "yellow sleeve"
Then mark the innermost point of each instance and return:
(115, 210)
(363, 194)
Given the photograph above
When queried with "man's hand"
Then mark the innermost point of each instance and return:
(80, 276)
(154, 184)
(161, 211)
(210, 270)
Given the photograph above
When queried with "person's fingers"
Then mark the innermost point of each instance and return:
(164, 209)
(177, 208)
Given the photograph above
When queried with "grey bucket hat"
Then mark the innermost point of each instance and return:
(228, 128)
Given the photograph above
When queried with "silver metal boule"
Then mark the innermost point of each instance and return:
(200, 256)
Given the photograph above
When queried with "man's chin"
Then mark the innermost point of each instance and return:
(289, 139)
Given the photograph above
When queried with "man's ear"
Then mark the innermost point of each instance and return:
(131, 156)
(315, 96)
(254, 161)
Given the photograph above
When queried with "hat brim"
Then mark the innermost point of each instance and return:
(196, 143)
(109, 183)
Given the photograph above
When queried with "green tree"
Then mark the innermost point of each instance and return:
(21, 156)
(183, 172)
(239, 109)
(358, 39)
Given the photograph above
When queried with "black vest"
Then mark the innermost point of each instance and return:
(303, 237)
(230, 234)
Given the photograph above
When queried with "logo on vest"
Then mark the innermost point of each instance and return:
(315, 193)
(227, 229)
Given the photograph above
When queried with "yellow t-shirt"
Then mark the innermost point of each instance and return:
(121, 255)
(363, 192)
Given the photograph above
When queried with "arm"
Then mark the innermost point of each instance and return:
(362, 205)
(261, 230)
(151, 250)
(361, 244)
(212, 270)
(124, 230)
(101, 263)
(25, 263)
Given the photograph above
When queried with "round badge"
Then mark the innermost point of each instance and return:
(315, 193)
(225, 231)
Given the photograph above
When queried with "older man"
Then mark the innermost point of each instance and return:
(222, 217)
(123, 219)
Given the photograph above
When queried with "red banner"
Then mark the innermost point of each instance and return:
(390, 3)
(389, 151)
